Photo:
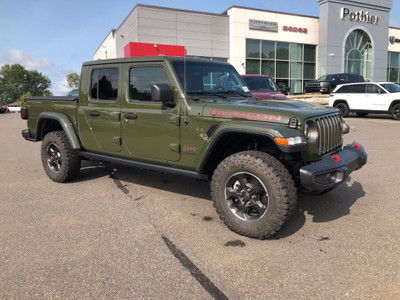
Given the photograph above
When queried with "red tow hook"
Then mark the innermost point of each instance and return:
(336, 157)
(357, 146)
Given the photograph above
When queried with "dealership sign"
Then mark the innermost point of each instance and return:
(393, 40)
(263, 25)
(294, 29)
(359, 16)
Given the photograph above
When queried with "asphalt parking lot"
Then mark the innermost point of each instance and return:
(121, 233)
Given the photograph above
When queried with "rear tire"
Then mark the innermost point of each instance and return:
(396, 111)
(343, 108)
(60, 162)
(253, 194)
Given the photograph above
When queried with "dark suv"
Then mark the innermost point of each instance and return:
(325, 84)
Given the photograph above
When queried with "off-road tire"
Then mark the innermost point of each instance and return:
(60, 162)
(343, 108)
(396, 111)
(275, 203)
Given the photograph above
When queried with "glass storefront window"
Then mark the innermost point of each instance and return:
(285, 62)
(282, 69)
(282, 51)
(252, 66)
(253, 48)
(310, 53)
(296, 86)
(296, 70)
(268, 67)
(358, 55)
(268, 49)
(394, 59)
(296, 52)
(309, 71)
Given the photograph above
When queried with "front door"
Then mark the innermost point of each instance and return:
(149, 129)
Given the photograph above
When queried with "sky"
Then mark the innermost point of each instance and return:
(55, 37)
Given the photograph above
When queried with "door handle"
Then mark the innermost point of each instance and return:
(93, 113)
(130, 116)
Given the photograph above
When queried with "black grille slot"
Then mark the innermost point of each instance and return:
(329, 132)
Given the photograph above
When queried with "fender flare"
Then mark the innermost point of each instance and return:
(65, 123)
(268, 131)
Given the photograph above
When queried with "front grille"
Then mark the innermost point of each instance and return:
(329, 132)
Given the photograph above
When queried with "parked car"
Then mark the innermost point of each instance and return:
(327, 83)
(264, 87)
(73, 93)
(368, 97)
(3, 108)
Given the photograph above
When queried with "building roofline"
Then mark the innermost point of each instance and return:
(111, 31)
(270, 11)
(170, 9)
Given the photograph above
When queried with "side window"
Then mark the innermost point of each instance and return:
(141, 80)
(358, 88)
(104, 84)
(371, 89)
(345, 89)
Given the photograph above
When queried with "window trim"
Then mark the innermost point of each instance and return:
(137, 101)
(98, 100)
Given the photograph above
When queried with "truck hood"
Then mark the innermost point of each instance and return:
(268, 95)
(275, 111)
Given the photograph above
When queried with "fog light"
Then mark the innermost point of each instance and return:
(329, 178)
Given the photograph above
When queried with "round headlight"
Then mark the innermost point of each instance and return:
(310, 131)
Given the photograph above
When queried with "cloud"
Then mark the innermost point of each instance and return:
(29, 61)
(60, 88)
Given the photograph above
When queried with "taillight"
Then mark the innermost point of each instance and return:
(24, 113)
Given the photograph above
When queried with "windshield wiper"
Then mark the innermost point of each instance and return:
(201, 92)
(234, 92)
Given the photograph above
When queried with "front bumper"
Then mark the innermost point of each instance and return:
(332, 170)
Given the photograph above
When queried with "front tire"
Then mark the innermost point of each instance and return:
(253, 194)
(60, 162)
(343, 108)
(396, 111)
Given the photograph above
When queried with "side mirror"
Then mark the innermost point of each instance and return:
(163, 92)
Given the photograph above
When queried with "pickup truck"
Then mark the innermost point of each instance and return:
(170, 114)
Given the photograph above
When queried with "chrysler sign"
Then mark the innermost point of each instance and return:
(263, 25)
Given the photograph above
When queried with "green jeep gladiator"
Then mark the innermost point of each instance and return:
(196, 118)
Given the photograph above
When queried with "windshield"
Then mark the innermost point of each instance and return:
(391, 87)
(209, 78)
(330, 77)
(261, 84)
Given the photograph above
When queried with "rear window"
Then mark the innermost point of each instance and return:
(104, 84)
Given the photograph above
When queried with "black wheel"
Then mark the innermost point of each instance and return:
(343, 108)
(253, 193)
(60, 162)
(396, 111)
(362, 114)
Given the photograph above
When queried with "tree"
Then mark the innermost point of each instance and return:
(73, 80)
(16, 81)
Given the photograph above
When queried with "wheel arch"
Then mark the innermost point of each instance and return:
(48, 122)
(231, 141)
(340, 101)
(394, 102)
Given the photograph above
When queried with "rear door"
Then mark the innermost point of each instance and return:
(99, 110)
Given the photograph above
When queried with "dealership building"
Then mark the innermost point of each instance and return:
(349, 36)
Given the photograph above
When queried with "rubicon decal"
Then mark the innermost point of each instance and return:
(244, 115)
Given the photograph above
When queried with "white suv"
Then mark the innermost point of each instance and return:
(367, 97)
